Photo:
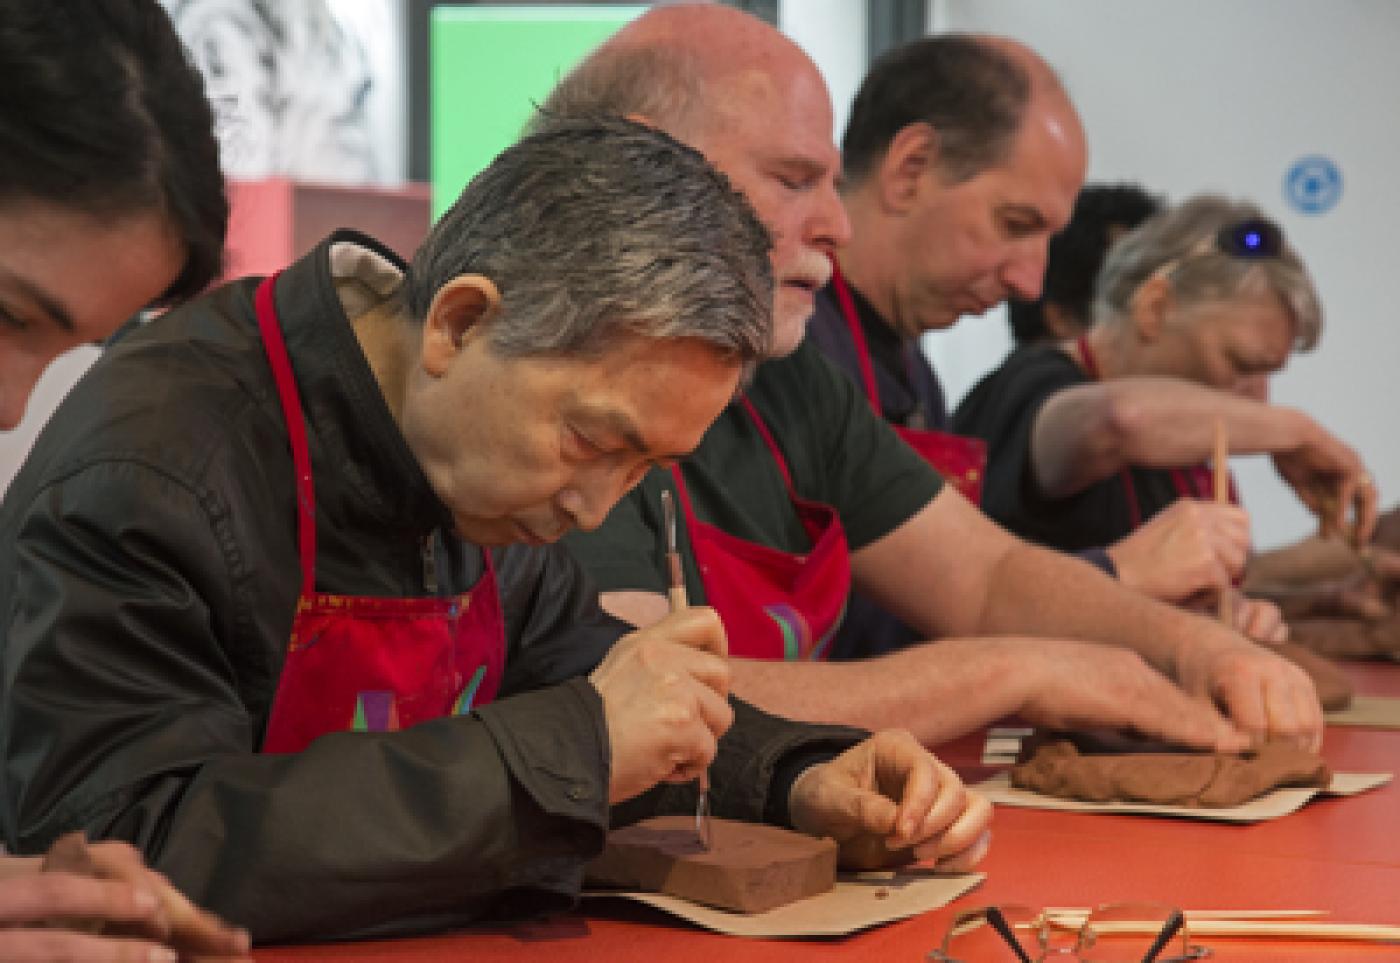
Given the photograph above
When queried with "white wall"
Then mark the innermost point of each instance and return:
(833, 33)
(51, 389)
(1197, 95)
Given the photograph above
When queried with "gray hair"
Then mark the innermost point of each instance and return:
(659, 81)
(597, 229)
(1181, 242)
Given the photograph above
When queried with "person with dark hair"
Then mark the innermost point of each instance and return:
(800, 492)
(1090, 438)
(111, 200)
(111, 197)
(942, 113)
(1102, 214)
(318, 661)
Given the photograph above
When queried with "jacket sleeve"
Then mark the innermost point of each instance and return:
(137, 675)
(751, 775)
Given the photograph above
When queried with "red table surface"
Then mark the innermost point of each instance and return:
(1337, 855)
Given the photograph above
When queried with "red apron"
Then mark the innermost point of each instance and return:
(960, 460)
(359, 663)
(774, 605)
(1197, 481)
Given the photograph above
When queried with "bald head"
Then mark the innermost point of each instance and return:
(674, 64)
(754, 104)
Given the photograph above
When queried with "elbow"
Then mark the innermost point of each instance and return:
(1121, 422)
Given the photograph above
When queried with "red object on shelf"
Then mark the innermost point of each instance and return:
(275, 220)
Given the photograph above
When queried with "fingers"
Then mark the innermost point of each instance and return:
(1270, 697)
(963, 843)
(698, 627)
(1260, 619)
(968, 859)
(696, 739)
(63, 896)
(1364, 500)
(1179, 718)
(45, 946)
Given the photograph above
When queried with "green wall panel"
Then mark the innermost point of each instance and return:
(490, 65)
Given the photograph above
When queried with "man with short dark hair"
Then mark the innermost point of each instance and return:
(799, 492)
(268, 615)
(949, 106)
(1102, 214)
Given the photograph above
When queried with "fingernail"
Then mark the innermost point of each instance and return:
(243, 940)
(160, 954)
(146, 900)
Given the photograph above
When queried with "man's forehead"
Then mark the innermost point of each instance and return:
(767, 115)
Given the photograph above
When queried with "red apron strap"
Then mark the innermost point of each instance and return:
(848, 310)
(276, 348)
(768, 440)
(1091, 368)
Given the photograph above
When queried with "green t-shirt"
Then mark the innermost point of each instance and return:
(838, 451)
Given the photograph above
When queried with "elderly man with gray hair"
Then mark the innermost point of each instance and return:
(1193, 311)
(278, 607)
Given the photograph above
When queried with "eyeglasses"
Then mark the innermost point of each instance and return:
(1117, 933)
(1252, 239)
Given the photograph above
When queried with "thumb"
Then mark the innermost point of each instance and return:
(869, 811)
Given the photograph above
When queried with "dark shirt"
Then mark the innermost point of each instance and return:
(1002, 409)
(910, 393)
(839, 453)
(147, 587)
(910, 396)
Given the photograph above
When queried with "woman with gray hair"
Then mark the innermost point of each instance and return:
(1193, 311)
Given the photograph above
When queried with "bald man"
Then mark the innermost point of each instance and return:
(799, 491)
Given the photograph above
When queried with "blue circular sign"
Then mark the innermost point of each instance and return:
(1313, 184)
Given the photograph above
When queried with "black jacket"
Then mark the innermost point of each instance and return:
(148, 576)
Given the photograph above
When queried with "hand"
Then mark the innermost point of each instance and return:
(1330, 478)
(665, 695)
(889, 800)
(188, 929)
(1263, 693)
(1189, 546)
(137, 914)
(1259, 619)
(1081, 685)
(1357, 587)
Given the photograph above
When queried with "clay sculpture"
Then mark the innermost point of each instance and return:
(1213, 780)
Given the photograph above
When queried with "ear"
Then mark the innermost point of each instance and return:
(1151, 304)
(457, 315)
(912, 153)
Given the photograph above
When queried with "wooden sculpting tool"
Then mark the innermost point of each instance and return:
(1222, 497)
(677, 596)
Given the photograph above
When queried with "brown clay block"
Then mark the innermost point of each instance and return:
(749, 869)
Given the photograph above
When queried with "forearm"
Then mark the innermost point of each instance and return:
(938, 690)
(362, 833)
(1034, 591)
(1089, 433)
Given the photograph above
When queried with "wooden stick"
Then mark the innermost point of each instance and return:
(1222, 497)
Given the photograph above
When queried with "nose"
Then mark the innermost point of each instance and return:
(1023, 273)
(829, 227)
(587, 501)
